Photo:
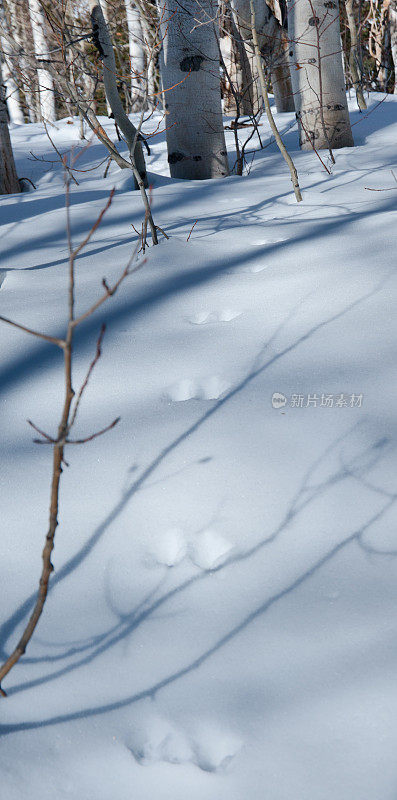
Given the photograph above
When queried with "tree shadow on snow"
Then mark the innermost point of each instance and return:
(42, 356)
(356, 467)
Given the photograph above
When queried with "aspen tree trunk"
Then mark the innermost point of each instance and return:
(241, 14)
(226, 48)
(8, 174)
(46, 85)
(18, 22)
(249, 89)
(12, 91)
(190, 74)
(353, 56)
(235, 99)
(280, 144)
(393, 37)
(152, 70)
(151, 76)
(281, 78)
(137, 54)
(317, 74)
(383, 46)
(272, 45)
(105, 49)
(12, 96)
(379, 40)
(279, 63)
(236, 60)
(105, 12)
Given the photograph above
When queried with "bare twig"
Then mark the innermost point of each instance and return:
(94, 435)
(191, 230)
(68, 417)
(390, 189)
(42, 433)
(45, 336)
(89, 373)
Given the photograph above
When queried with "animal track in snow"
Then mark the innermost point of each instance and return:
(205, 317)
(210, 549)
(207, 550)
(258, 268)
(266, 241)
(205, 389)
(158, 740)
(213, 748)
(169, 548)
(209, 748)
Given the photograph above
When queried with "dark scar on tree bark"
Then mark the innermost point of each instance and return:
(191, 63)
(174, 157)
(95, 35)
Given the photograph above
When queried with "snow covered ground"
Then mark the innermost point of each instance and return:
(222, 621)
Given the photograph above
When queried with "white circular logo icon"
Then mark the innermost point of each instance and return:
(278, 400)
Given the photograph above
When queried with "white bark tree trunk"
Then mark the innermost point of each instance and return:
(232, 77)
(190, 73)
(378, 42)
(280, 76)
(8, 174)
(105, 12)
(12, 96)
(237, 62)
(104, 46)
(12, 91)
(151, 63)
(272, 44)
(242, 17)
(18, 21)
(137, 55)
(353, 55)
(317, 74)
(46, 85)
(393, 37)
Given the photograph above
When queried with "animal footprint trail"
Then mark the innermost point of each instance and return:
(169, 548)
(210, 549)
(206, 550)
(205, 317)
(210, 388)
(158, 740)
(206, 746)
(263, 242)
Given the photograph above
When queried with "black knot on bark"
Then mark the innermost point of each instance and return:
(313, 21)
(95, 35)
(174, 157)
(191, 63)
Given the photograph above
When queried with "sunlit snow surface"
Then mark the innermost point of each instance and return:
(222, 617)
